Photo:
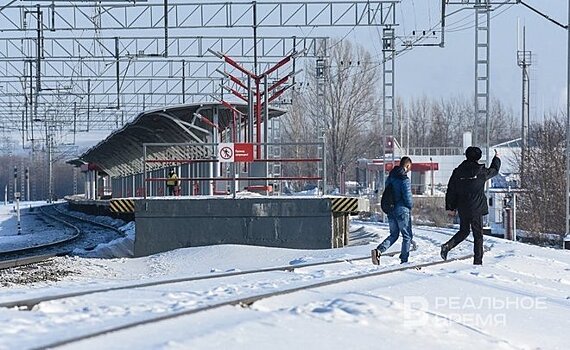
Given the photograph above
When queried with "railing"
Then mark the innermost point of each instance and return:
(232, 173)
(435, 151)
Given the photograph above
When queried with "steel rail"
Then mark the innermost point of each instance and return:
(50, 244)
(31, 302)
(95, 223)
(248, 301)
(43, 257)
(8, 264)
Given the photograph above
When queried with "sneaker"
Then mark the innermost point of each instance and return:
(477, 263)
(444, 251)
(375, 253)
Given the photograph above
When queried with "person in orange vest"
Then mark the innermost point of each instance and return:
(172, 183)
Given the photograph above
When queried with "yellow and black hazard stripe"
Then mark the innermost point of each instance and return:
(122, 205)
(344, 204)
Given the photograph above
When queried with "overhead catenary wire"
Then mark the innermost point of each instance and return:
(471, 23)
(542, 14)
(405, 50)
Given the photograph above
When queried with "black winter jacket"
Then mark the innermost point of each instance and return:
(465, 190)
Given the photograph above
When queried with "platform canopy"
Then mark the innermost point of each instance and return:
(121, 153)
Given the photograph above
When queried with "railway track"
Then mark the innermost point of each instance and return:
(77, 233)
(285, 278)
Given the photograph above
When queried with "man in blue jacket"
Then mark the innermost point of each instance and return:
(400, 219)
(465, 194)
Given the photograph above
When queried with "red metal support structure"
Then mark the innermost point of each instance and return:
(235, 114)
(257, 79)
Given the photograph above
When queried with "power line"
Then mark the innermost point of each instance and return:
(543, 14)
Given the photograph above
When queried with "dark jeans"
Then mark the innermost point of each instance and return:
(465, 224)
(171, 191)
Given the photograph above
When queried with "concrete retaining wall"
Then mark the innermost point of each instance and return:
(303, 223)
(95, 207)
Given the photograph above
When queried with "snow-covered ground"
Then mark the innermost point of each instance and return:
(519, 299)
(33, 229)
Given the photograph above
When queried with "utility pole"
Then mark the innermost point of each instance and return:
(50, 167)
(22, 182)
(322, 78)
(567, 28)
(388, 122)
(28, 184)
(39, 51)
(482, 60)
(567, 130)
(524, 60)
(15, 180)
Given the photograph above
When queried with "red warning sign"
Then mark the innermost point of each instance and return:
(243, 152)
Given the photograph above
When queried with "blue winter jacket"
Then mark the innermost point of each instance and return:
(402, 187)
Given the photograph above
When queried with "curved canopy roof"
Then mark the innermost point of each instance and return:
(121, 153)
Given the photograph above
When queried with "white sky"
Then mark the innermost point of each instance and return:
(447, 72)
(437, 72)
(444, 72)
(519, 299)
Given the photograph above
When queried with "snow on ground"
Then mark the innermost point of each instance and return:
(118, 248)
(33, 229)
(519, 299)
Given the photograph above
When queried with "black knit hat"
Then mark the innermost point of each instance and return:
(473, 153)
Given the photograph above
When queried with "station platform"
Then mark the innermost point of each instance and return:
(166, 223)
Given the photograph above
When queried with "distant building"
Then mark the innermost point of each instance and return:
(432, 167)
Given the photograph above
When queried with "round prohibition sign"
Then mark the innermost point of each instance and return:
(226, 152)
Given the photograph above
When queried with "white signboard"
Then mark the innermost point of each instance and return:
(226, 152)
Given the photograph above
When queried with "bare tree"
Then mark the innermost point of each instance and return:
(441, 127)
(299, 127)
(503, 125)
(542, 206)
(351, 104)
(420, 120)
(63, 175)
(442, 123)
(401, 113)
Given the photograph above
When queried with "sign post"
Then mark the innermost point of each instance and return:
(226, 155)
(17, 197)
(234, 153)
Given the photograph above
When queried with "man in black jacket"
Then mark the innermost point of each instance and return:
(465, 194)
